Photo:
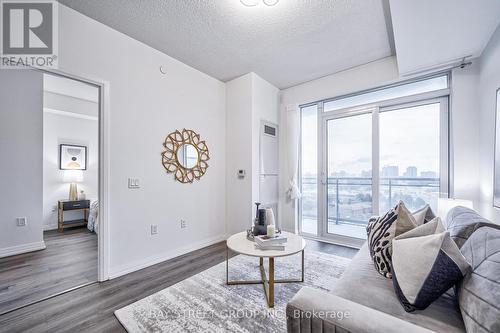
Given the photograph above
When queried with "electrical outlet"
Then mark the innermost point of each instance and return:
(21, 221)
(183, 224)
(134, 183)
(154, 229)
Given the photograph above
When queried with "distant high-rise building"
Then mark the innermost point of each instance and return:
(428, 174)
(390, 171)
(411, 172)
(366, 174)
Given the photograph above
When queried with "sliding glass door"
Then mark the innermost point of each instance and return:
(348, 174)
(360, 160)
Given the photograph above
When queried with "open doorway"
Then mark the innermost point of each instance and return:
(50, 206)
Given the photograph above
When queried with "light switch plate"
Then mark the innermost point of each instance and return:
(154, 229)
(134, 183)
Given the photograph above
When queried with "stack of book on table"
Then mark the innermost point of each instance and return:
(276, 242)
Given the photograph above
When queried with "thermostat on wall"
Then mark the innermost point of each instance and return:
(241, 173)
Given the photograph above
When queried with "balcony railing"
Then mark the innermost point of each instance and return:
(350, 198)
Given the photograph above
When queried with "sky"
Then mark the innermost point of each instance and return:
(408, 137)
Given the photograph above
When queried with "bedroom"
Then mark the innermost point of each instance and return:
(58, 160)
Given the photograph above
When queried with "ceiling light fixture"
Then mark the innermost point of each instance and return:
(249, 3)
(253, 3)
(270, 2)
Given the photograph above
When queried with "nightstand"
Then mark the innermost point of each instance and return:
(72, 205)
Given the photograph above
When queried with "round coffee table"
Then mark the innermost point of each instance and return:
(240, 244)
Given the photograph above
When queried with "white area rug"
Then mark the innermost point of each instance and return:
(204, 303)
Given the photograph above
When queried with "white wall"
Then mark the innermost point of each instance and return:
(265, 106)
(249, 100)
(144, 106)
(239, 153)
(63, 129)
(385, 71)
(20, 161)
(489, 82)
(465, 133)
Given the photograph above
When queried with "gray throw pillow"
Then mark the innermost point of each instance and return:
(479, 292)
(461, 222)
(423, 215)
(426, 263)
(381, 231)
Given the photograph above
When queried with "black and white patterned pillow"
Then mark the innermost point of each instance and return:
(382, 230)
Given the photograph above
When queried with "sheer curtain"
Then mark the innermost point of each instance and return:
(292, 146)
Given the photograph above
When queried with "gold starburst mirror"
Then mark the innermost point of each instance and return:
(185, 155)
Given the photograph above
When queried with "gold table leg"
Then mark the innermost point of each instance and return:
(268, 284)
(270, 299)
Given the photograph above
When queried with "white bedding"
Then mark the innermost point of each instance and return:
(93, 224)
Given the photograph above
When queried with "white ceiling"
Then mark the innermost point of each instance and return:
(287, 44)
(429, 33)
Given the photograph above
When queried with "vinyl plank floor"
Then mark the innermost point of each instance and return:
(91, 308)
(69, 260)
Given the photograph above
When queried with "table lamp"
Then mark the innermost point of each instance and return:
(446, 204)
(72, 177)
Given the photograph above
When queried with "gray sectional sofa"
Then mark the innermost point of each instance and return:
(364, 301)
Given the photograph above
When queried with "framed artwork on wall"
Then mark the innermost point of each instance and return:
(496, 178)
(72, 157)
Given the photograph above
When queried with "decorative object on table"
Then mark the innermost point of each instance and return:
(73, 177)
(426, 263)
(271, 230)
(259, 227)
(81, 195)
(257, 204)
(185, 155)
(72, 157)
(270, 216)
(446, 204)
(72, 205)
(496, 181)
(266, 242)
(262, 216)
(382, 230)
(251, 236)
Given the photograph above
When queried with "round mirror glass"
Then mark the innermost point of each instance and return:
(187, 155)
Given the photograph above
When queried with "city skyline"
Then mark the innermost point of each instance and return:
(392, 172)
(408, 138)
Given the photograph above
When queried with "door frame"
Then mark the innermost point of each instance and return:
(103, 243)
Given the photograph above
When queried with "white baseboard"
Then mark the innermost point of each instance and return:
(153, 260)
(19, 249)
(49, 227)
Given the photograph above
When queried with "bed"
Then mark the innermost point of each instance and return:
(93, 222)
